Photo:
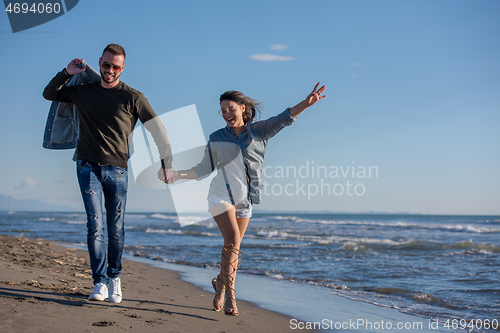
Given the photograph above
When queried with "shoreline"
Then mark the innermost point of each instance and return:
(44, 287)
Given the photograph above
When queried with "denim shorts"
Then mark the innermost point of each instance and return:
(241, 212)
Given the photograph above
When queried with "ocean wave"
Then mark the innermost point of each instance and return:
(274, 276)
(426, 298)
(139, 216)
(469, 228)
(160, 216)
(131, 227)
(401, 224)
(183, 231)
(209, 234)
(367, 223)
(136, 247)
(186, 219)
(328, 240)
(356, 244)
(285, 246)
(429, 299)
(162, 231)
(471, 246)
(489, 221)
(352, 246)
(391, 297)
(192, 219)
(76, 222)
(46, 219)
(290, 218)
(390, 291)
(273, 234)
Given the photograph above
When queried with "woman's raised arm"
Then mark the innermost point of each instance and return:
(310, 100)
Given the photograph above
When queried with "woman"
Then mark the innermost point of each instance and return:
(237, 151)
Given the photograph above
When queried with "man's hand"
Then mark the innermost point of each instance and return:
(73, 68)
(166, 175)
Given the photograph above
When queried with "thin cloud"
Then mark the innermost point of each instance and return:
(356, 64)
(270, 57)
(27, 183)
(278, 47)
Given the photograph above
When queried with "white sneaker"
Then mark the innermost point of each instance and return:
(115, 290)
(100, 292)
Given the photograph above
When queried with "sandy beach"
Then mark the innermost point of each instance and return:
(44, 288)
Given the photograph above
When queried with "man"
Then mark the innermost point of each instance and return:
(108, 111)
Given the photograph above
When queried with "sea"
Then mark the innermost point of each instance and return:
(432, 266)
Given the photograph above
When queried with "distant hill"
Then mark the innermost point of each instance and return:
(9, 203)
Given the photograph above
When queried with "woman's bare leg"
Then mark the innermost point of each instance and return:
(233, 229)
(242, 225)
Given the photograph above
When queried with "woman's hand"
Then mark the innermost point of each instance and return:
(310, 100)
(315, 95)
(167, 175)
(176, 176)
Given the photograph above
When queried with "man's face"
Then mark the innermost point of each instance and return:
(111, 66)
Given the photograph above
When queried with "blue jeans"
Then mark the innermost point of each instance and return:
(109, 182)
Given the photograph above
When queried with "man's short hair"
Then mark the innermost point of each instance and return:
(115, 49)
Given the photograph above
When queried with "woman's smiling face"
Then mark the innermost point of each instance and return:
(232, 113)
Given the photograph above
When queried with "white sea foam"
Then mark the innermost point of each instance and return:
(285, 246)
(457, 227)
(162, 231)
(210, 234)
(130, 227)
(367, 223)
(273, 234)
(325, 240)
(188, 220)
(76, 222)
(291, 218)
(161, 217)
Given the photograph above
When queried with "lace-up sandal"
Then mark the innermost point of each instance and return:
(230, 269)
(219, 290)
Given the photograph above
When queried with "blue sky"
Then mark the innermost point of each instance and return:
(413, 90)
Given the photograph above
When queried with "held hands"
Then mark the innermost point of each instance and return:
(73, 68)
(167, 175)
(176, 176)
(314, 96)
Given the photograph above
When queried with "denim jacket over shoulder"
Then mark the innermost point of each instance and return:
(61, 130)
(252, 143)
